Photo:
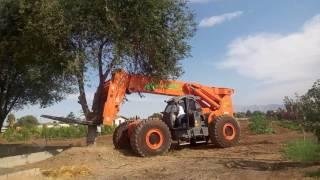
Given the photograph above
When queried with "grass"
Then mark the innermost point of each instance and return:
(302, 150)
(314, 174)
(258, 124)
(293, 125)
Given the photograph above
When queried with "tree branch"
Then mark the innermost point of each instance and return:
(80, 78)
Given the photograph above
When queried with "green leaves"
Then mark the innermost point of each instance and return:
(260, 125)
(33, 56)
(308, 108)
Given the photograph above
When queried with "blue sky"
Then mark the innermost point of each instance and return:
(263, 49)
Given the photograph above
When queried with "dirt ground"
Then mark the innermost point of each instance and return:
(256, 157)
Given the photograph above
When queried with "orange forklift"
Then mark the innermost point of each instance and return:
(207, 114)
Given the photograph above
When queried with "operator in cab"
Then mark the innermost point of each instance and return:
(181, 114)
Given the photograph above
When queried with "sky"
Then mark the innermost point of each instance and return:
(265, 50)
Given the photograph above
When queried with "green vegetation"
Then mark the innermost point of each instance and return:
(306, 108)
(105, 130)
(315, 174)
(28, 121)
(47, 47)
(27, 133)
(259, 124)
(17, 135)
(293, 125)
(33, 61)
(63, 132)
(302, 150)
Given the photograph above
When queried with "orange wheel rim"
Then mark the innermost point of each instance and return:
(229, 131)
(154, 138)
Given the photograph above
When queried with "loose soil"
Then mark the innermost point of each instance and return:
(255, 157)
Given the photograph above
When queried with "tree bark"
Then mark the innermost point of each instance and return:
(2, 119)
(91, 135)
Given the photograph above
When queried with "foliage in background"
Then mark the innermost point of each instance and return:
(155, 116)
(73, 131)
(259, 124)
(293, 125)
(307, 109)
(302, 150)
(63, 132)
(14, 135)
(105, 130)
(28, 121)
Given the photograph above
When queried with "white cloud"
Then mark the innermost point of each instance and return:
(283, 63)
(215, 20)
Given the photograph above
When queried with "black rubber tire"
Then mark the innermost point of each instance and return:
(216, 131)
(138, 142)
(120, 137)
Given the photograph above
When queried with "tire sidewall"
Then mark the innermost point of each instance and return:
(120, 136)
(139, 138)
(216, 131)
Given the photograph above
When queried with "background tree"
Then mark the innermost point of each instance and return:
(308, 109)
(156, 116)
(293, 108)
(71, 115)
(11, 120)
(310, 105)
(33, 56)
(248, 113)
(28, 121)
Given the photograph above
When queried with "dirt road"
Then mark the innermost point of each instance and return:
(256, 157)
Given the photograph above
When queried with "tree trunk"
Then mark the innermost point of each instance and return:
(92, 134)
(2, 119)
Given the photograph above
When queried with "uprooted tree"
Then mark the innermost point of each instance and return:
(145, 37)
(33, 60)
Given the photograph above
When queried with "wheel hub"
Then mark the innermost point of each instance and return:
(229, 131)
(154, 138)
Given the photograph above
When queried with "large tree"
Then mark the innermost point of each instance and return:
(145, 37)
(33, 56)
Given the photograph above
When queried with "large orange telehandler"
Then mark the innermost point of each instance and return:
(208, 114)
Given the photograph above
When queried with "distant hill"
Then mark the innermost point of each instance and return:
(263, 108)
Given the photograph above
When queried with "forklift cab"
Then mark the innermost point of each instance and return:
(192, 110)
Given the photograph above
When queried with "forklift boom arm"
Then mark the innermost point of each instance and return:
(214, 101)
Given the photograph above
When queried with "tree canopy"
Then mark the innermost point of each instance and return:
(307, 108)
(33, 58)
(144, 37)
